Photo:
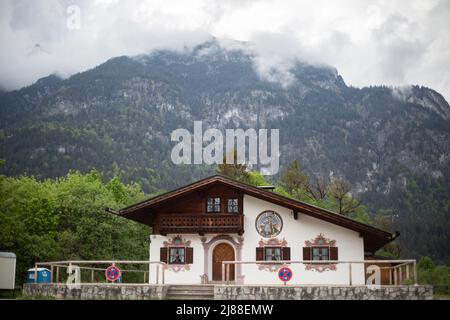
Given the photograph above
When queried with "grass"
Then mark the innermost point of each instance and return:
(441, 296)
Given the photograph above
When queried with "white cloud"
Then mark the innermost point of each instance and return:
(370, 42)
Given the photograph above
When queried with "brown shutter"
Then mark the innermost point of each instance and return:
(334, 253)
(163, 255)
(286, 253)
(189, 255)
(259, 254)
(307, 253)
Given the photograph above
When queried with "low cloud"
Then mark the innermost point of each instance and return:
(370, 42)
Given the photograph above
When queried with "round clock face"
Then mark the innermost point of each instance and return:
(269, 224)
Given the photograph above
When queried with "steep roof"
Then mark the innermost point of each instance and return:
(374, 238)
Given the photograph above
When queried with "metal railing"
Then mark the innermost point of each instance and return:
(399, 271)
(55, 267)
(395, 268)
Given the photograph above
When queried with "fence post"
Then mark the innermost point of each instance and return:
(157, 273)
(35, 273)
(415, 272)
(51, 273)
(395, 276)
(350, 274)
(407, 272)
(149, 271)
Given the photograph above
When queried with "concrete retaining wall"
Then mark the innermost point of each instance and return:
(323, 293)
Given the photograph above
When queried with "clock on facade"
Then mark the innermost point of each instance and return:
(269, 224)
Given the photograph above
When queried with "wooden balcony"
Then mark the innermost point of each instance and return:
(201, 223)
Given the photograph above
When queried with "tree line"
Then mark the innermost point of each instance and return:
(65, 219)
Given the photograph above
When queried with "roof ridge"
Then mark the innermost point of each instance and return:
(223, 178)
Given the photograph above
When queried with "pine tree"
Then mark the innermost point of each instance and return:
(235, 171)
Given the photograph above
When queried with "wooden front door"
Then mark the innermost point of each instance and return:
(222, 252)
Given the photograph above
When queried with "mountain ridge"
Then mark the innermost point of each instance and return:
(118, 116)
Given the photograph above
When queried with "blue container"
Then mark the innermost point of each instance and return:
(43, 275)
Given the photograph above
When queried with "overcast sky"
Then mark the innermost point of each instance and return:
(369, 42)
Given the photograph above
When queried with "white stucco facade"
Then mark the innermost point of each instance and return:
(293, 235)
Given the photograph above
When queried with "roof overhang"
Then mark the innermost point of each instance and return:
(374, 238)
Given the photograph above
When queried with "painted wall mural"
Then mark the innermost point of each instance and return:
(177, 253)
(274, 247)
(318, 246)
(269, 224)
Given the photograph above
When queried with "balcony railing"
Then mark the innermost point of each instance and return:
(201, 223)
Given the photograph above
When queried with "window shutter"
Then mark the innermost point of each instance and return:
(259, 254)
(334, 253)
(286, 253)
(163, 255)
(307, 253)
(189, 255)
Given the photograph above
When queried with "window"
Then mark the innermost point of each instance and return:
(213, 205)
(320, 253)
(176, 255)
(272, 254)
(233, 206)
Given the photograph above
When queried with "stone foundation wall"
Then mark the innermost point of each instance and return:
(323, 293)
(231, 292)
(96, 291)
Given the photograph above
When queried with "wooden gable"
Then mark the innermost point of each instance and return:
(188, 213)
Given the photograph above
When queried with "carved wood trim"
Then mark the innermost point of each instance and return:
(201, 223)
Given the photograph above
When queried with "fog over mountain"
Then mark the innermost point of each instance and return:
(370, 42)
(391, 143)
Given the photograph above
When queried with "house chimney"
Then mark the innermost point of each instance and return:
(268, 188)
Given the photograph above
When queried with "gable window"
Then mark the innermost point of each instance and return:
(233, 206)
(176, 255)
(213, 205)
(320, 253)
(272, 253)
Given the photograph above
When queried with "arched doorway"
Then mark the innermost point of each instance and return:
(222, 252)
